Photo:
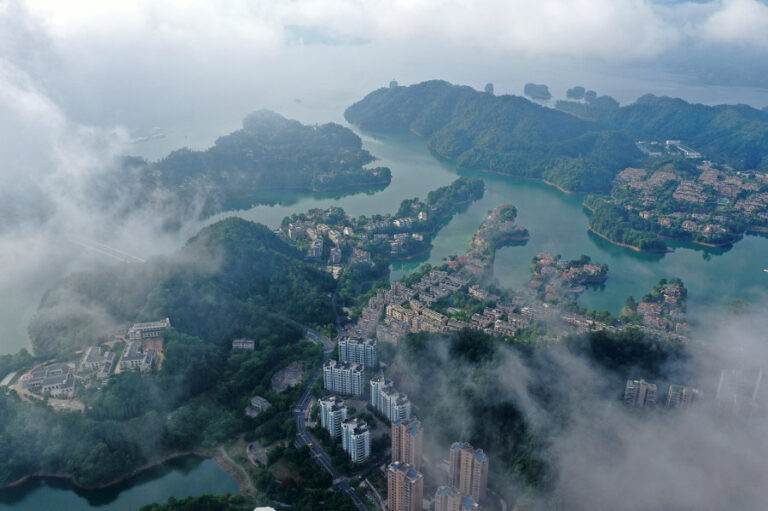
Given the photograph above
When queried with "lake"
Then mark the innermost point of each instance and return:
(182, 477)
(557, 223)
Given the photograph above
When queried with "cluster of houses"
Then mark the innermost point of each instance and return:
(667, 314)
(319, 225)
(554, 278)
(97, 364)
(710, 192)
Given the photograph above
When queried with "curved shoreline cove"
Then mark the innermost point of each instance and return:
(179, 477)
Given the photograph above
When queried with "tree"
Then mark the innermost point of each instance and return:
(489, 88)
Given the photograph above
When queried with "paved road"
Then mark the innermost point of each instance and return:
(303, 436)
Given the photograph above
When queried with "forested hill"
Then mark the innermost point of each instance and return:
(274, 152)
(733, 134)
(231, 272)
(505, 134)
(270, 152)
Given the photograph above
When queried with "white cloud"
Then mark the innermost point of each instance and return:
(738, 21)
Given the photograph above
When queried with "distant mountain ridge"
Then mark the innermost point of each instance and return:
(577, 146)
(504, 134)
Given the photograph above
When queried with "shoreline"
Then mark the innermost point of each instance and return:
(636, 249)
(135, 472)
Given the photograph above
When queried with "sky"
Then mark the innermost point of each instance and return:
(81, 80)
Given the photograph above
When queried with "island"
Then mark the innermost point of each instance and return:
(269, 153)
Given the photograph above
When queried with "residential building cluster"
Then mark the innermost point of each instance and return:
(468, 470)
(388, 401)
(354, 433)
(55, 380)
(643, 394)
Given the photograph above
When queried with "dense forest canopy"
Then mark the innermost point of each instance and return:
(734, 134)
(222, 275)
(505, 134)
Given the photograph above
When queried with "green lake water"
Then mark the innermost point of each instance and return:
(557, 223)
(178, 478)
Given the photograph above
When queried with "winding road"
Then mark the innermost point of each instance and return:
(303, 437)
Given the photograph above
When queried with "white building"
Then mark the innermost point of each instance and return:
(150, 330)
(377, 384)
(358, 350)
(395, 405)
(333, 412)
(356, 439)
(343, 377)
(134, 357)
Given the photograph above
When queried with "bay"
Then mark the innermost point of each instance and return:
(180, 478)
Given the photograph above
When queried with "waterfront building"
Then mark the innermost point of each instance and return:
(356, 439)
(405, 487)
(408, 441)
(343, 377)
(468, 470)
(333, 411)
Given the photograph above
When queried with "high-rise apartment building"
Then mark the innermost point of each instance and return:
(356, 439)
(395, 405)
(343, 377)
(333, 412)
(449, 498)
(681, 397)
(377, 385)
(469, 470)
(358, 350)
(408, 442)
(405, 487)
(640, 393)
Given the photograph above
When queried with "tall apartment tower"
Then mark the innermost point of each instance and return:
(377, 385)
(449, 498)
(469, 470)
(681, 397)
(405, 487)
(408, 442)
(395, 405)
(356, 439)
(333, 412)
(343, 377)
(358, 350)
(640, 393)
